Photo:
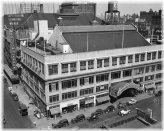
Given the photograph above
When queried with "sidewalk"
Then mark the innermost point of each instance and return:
(44, 123)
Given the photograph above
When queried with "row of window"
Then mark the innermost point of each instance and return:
(53, 69)
(33, 63)
(87, 91)
(103, 77)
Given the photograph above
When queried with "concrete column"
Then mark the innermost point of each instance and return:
(60, 90)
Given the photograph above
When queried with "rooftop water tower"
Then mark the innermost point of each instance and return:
(112, 15)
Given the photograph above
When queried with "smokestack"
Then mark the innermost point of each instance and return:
(41, 8)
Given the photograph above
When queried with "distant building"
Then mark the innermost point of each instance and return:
(78, 8)
(31, 7)
(79, 64)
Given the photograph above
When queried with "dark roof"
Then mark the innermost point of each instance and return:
(68, 19)
(95, 28)
(103, 40)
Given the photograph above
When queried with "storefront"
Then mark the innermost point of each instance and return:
(54, 111)
(87, 102)
(70, 108)
(102, 99)
(149, 87)
(37, 101)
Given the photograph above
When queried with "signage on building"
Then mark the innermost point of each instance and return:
(54, 106)
(14, 19)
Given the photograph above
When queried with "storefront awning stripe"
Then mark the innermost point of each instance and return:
(55, 110)
(89, 101)
(104, 98)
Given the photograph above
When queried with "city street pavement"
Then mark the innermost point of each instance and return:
(11, 113)
(43, 123)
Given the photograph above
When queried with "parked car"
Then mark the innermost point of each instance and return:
(93, 117)
(99, 112)
(121, 105)
(109, 109)
(61, 123)
(78, 118)
(103, 127)
(10, 88)
(159, 93)
(132, 102)
(23, 110)
(14, 95)
(124, 112)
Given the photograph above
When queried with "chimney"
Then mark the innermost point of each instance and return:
(41, 8)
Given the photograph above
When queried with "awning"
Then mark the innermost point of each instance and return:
(104, 98)
(55, 110)
(149, 86)
(89, 101)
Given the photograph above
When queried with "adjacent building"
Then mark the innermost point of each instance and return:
(78, 65)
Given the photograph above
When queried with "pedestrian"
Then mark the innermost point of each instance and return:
(16, 87)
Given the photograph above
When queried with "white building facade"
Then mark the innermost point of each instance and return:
(83, 79)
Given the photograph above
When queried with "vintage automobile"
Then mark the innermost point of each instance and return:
(78, 118)
(124, 112)
(93, 117)
(109, 109)
(121, 105)
(61, 123)
(132, 102)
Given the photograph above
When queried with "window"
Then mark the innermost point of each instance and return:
(73, 67)
(130, 59)
(102, 88)
(153, 55)
(43, 68)
(54, 98)
(53, 87)
(64, 68)
(137, 57)
(53, 69)
(86, 91)
(127, 73)
(140, 79)
(150, 77)
(159, 54)
(122, 60)
(159, 67)
(139, 70)
(69, 95)
(102, 77)
(159, 75)
(116, 75)
(147, 69)
(106, 62)
(99, 63)
(149, 56)
(90, 64)
(69, 84)
(82, 65)
(86, 80)
(142, 57)
(114, 61)
(152, 68)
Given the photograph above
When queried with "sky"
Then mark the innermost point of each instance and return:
(125, 7)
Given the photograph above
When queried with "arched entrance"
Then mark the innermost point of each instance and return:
(123, 89)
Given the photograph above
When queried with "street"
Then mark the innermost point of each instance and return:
(113, 116)
(11, 114)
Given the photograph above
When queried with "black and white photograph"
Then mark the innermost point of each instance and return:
(82, 65)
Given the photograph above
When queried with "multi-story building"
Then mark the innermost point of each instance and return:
(81, 63)
(25, 30)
